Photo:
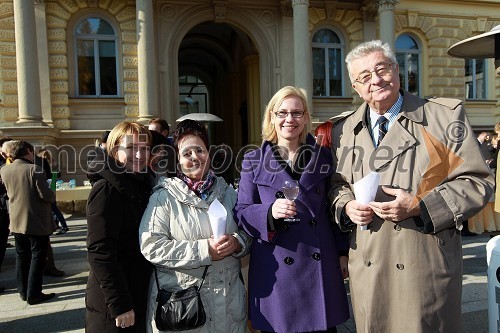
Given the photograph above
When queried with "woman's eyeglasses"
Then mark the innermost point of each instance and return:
(284, 114)
(380, 70)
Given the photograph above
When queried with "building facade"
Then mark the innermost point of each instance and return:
(70, 69)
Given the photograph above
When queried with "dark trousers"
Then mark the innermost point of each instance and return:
(330, 330)
(59, 216)
(30, 262)
(4, 233)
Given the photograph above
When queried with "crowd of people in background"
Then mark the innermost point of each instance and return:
(149, 210)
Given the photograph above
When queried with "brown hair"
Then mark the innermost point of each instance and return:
(162, 122)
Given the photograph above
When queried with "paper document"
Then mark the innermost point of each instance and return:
(217, 214)
(365, 190)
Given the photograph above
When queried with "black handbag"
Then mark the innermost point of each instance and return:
(179, 310)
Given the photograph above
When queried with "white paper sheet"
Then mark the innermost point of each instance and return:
(217, 214)
(365, 190)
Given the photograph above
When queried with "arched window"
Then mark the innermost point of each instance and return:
(408, 56)
(96, 58)
(328, 56)
(475, 79)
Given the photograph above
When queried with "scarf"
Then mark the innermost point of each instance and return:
(201, 187)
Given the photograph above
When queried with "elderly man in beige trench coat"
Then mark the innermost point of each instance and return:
(406, 268)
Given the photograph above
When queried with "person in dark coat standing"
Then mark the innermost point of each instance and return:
(295, 281)
(31, 219)
(116, 293)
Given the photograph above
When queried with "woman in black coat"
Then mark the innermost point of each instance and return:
(117, 286)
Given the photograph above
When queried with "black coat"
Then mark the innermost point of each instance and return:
(119, 274)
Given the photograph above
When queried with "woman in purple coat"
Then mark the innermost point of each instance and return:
(295, 278)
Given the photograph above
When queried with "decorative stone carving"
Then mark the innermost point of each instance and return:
(55, 22)
(167, 12)
(116, 6)
(267, 17)
(7, 48)
(129, 62)
(10, 114)
(59, 99)
(9, 87)
(126, 14)
(316, 15)
(56, 34)
(412, 19)
(386, 4)
(8, 74)
(58, 61)
(62, 124)
(220, 12)
(286, 8)
(131, 111)
(130, 74)
(8, 62)
(58, 74)
(56, 10)
(129, 25)
(60, 112)
(130, 49)
(129, 37)
(7, 35)
(59, 87)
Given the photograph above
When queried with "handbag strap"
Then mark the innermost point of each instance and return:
(199, 287)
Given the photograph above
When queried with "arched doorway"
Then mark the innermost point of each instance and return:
(213, 70)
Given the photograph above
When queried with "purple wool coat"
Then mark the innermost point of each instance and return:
(294, 282)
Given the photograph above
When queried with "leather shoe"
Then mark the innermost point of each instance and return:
(40, 298)
(54, 272)
(467, 233)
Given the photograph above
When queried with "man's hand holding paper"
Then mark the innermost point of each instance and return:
(365, 191)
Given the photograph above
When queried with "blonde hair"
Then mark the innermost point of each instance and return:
(120, 131)
(497, 127)
(268, 130)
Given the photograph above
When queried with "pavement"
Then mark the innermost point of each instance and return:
(66, 312)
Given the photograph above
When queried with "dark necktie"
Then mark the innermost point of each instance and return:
(382, 128)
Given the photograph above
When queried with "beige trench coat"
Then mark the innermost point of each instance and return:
(174, 236)
(401, 279)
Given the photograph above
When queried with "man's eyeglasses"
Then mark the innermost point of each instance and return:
(380, 70)
(284, 114)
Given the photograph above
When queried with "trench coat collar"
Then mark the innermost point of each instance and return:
(397, 140)
(411, 109)
(269, 171)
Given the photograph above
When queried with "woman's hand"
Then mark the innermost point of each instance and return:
(227, 245)
(344, 266)
(125, 319)
(283, 208)
(212, 249)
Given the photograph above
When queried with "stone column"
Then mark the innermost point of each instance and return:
(386, 20)
(302, 48)
(146, 56)
(369, 15)
(43, 61)
(253, 103)
(28, 77)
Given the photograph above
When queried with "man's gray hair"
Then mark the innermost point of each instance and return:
(366, 48)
